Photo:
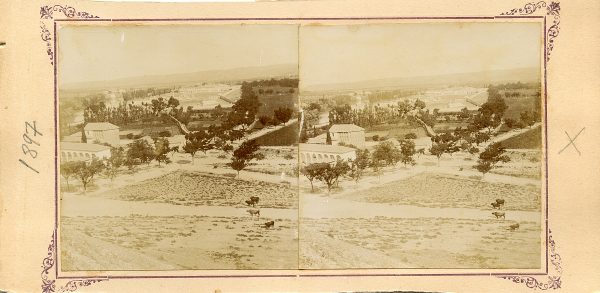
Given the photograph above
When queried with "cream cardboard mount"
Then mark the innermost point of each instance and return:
(299, 146)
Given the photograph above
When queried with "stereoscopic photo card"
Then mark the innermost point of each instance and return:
(299, 146)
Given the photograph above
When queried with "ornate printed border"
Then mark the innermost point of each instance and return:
(47, 13)
(552, 10)
(49, 284)
(554, 280)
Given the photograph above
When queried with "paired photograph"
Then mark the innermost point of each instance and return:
(300, 146)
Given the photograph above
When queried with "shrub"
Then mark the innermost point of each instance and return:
(222, 156)
(129, 135)
(288, 157)
(165, 133)
(410, 135)
(375, 137)
(259, 156)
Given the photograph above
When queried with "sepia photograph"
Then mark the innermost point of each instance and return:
(421, 146)
(288, 146)
(178, 147)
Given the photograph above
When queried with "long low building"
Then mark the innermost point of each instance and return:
(323, 153)
(78, 151)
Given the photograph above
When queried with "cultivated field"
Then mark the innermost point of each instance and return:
(198, 189)
(396, 242)
(441, 190)
(140, 242)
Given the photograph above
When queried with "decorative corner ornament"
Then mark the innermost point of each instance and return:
(552, 10)
(47, 13)
(553, 282)
(49, 285)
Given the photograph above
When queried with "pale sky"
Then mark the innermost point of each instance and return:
(337, 54)
(97, 53)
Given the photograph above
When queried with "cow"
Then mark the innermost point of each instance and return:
(514, 227)
(500, 201)
(269, 224)
(253, 212)
(499, 215)
(252, 201)
(496, 205)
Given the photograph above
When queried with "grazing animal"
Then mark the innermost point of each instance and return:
(269, 224)
(496, 205)
(500, 201)
(252, 201)
(499, 215)
(253, 212)
(421, 152)
(514, 227)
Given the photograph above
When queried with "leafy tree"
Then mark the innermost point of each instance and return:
(388, 152)
(264, 119)
(68, 170)
(161, 149)
(311, 172)
(114, 162)
(527, 118)
(376, 165)
(330, 174)
(283, 114)
(510, 123)
(85, 171)
(490, 157)
(358, 165)
(437, 149)
(340, 114)
(140, 150)
(173, 150)
(238, 164)
(420, 105)
(201, 139)
(304, 133)
(83, 136)
(243, 155)
(190, 148)
(407, 152)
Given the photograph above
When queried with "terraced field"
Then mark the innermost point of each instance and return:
(195, 188)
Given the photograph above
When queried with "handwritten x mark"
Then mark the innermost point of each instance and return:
(572, 142)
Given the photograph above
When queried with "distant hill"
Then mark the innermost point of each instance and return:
(227, 75)
(472, 78)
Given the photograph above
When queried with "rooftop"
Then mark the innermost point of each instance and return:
(100, 126)
(345, 128)
(82, 147)
(324, 148)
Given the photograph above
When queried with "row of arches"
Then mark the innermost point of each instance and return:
(310, 158)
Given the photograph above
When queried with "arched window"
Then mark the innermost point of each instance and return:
(87, 155)
(338, 157)
(320, 157)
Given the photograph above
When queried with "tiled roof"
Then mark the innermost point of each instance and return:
(82, 147)
(324, 148)
(100, 126)
(345, 128)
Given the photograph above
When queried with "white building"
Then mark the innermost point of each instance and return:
(323, 153)
(102, 132)
(78, 151)
(347, 134)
